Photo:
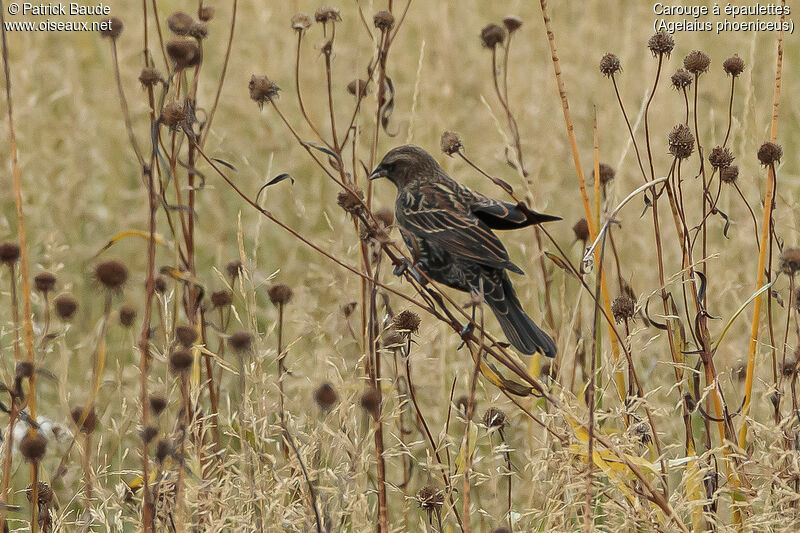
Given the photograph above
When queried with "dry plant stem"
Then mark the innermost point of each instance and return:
(299, 93)
(467, 524)
(24, 269)
(779, 375)
(630, 128)
(765, 234)
(207, 127)
(615, 348)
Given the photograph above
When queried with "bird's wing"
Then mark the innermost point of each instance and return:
(439, 213)
(505, 215)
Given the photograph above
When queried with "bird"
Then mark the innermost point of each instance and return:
(447, 227)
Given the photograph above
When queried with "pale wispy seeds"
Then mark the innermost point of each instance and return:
(301, 22)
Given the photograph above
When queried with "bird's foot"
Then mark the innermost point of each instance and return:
(466, 330)
(406, 266)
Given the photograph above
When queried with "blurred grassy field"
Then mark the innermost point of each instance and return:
(81, 186)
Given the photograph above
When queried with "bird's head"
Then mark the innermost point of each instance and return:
(406, 164)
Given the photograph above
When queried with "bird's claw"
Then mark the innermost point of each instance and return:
(404, 266)
(466, 330)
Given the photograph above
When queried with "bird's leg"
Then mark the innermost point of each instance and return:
(467, 329)
(404, 265)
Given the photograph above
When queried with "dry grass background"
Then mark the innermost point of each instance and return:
(81, 186)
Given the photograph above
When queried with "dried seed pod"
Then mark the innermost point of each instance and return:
(163, 450)
(429, 499)
(184, 54)
(234, 268)
(371, 402)
(492, 35)
(111, 28)
(148, 434)
(180, 23)
(325, 396)
(696, 62)
(33, 446)
(45, 494)
(222, 298)
(681, 141)
(160, 284)
(383, 20)
(157, 403)
(661, 44)
(729, 174)
(280, 294)
(789, 261)
(512, 23)
(720, 157)
(325, 14)
(351, 201)
(450, 143)
(150, 76)
(66, 306)
(263, 90)
(610, 65)
(770, 153)
(44, 282)
(681, 79)
(385, 217)
(180, 360)
(407, 323)
(494, 418)
(581, 230)
(127, 315)
(172, 115)
(206, 13)
(606, 173)
(241, 341)
(9, 253)
(199, 30)
(733, 66)
(89, 419)
(357, 87)
(112, 274)
(462, 404)
(24, 369)
(186, 335)
(301, 22)
(623, 308)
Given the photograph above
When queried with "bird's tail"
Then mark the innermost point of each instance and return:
(518, 327)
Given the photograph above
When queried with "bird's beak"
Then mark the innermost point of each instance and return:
(379, 172)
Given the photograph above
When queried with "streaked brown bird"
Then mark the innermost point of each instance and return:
(448, 229)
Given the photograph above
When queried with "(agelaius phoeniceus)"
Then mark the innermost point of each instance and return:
(448, 229)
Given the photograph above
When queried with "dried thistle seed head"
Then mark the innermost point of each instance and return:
(241, 341)
(180, 360)
(610, 65)
(325, 396)
(733, 66)
(234, 268)
(198, 30)
(206, 13)
(44, 282)
(371, 402)
(494, 418)
(150, 76)
(642, 432)
(280, 294)
(681, 141)
(66, 306)
(661, 44)
(789, 261)
(24, 369)
(512, 23)
(33, 446)
(430, 499)
(623, 308)
(44, 494)
(111, 28)
(348, 308)
(383, 20)
(385, 217)
(492, 35)
(720, 157)
(89, 419)
(180, 23)
(581, 230)
(127, 315)
(157, 403)
(391, 338)
(325, 14)
(160, 284)
(184, 53)
(606, 173)
(407, 322)
(148, 434)
(262, 90)
(681, 79)
(9, 253)
(450, 143)
(789, 368)
(111, 274)
(770, 153)
(172, 115)
(163, 449)
(222, 298)
(696, 62)
(729, 174)
(301, 22)
(351, 201)
(186, 335)
(357, 87)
